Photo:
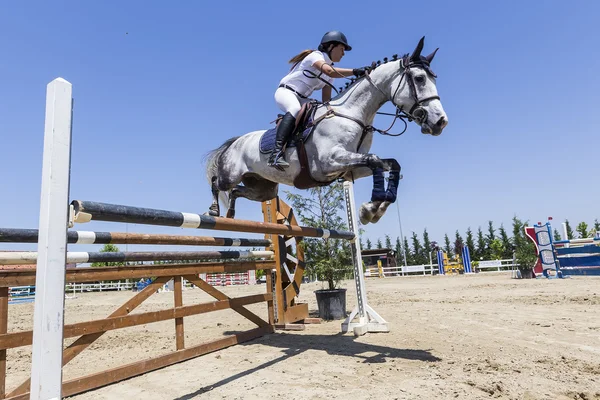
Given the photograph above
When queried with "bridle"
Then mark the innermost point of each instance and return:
(416, 113)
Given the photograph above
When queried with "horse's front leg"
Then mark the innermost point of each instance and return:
(360, 165)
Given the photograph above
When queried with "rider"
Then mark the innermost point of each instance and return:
(312, 70)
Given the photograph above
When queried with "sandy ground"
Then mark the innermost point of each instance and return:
(466, 337)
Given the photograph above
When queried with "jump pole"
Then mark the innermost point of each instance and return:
(48, 317)
(368, 319)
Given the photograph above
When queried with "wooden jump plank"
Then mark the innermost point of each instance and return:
(26, 276)
(18, 339)
(222, 296)
(83, 342)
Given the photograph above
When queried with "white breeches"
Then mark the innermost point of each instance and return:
(288, 101)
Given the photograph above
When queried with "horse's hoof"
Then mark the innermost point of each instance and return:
(230, 214)
(380, 211)
(365, 215)
(212, 213)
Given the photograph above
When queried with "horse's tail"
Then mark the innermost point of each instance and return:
(213, 158)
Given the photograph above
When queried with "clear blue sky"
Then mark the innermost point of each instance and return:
(158, 84)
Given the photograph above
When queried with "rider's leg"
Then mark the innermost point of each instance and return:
(290, 104)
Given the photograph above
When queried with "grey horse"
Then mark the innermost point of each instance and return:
(338, 145)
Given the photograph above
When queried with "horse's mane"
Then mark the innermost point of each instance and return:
(371, 67)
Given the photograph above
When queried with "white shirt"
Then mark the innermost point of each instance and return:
(306, 84)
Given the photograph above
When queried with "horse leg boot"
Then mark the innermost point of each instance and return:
(284, 131)
(214, 208)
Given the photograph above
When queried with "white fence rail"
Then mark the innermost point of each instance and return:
(432, 269)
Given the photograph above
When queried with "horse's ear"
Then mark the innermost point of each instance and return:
(416, 55)
(429, 58)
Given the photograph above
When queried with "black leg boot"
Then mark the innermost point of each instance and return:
(284, 131)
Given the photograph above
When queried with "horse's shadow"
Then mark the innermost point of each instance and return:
(339, 345)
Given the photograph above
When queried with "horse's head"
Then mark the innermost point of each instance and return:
(415, 90)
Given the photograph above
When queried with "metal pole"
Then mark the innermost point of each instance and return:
(401, 235)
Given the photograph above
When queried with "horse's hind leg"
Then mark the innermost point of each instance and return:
(214, 209)
(255, 189)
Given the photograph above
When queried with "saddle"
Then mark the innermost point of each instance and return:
(305, 124)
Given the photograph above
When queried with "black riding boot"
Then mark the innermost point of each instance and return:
(284, 131)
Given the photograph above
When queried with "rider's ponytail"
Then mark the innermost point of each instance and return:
(299, 57)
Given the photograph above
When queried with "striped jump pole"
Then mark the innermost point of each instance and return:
(85, 237)
(31, 257)
(466, 259)
(84, 211)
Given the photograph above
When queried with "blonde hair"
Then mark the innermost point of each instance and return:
(299, 57)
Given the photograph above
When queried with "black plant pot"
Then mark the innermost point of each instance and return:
(332, 303)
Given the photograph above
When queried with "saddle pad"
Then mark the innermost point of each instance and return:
(267, 140)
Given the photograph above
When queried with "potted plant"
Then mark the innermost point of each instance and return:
(330, 260)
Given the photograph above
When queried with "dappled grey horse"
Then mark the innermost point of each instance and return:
(339, 141)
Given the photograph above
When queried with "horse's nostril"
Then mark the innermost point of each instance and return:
(442, 122)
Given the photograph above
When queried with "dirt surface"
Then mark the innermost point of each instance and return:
(467, 337)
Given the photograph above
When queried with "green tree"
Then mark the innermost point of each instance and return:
(525, 254)
(497, 249)
(480, 251)
(108, 248)
(418, 252)
(458, 243)
(507, 248)
(409, 254)
(470, 244)
(557, 236)
(596, 226)
(569, 230)
(582, 229)
(379, 245)
(388, 242)
(426, 244)
(447, 246)
(329, 259)
(399, 251)
(369, 244)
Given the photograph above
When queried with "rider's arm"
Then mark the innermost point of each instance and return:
(330, 71)
(326, 93)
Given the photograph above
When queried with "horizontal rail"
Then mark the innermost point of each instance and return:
(13, 235)
(30, 257)
(18, 339)
(84, 211)
(26, 276)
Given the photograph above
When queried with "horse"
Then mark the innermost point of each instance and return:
(340, 138)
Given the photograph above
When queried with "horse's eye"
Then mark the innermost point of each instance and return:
(420, 79)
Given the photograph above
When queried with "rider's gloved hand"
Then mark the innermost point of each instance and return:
(358, 72)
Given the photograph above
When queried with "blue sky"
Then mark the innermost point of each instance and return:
(157, 84)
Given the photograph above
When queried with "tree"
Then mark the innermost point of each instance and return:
(525, 254)
(399, 251)
(108, 248)
(369, 245)
(426, 244)
(557, 236)
(379, 245)
(489, 238)
(447, 246)
(480, 252)
(470, 244)
(569, 230)
(507, 248)
(388, 242)
(496, 249)
(582, 229)
(418, 252)
(596, 226)
(329, 259)
(409, 255)
(459, 244)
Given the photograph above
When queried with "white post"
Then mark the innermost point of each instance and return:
(368, 319)
(47, 350)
